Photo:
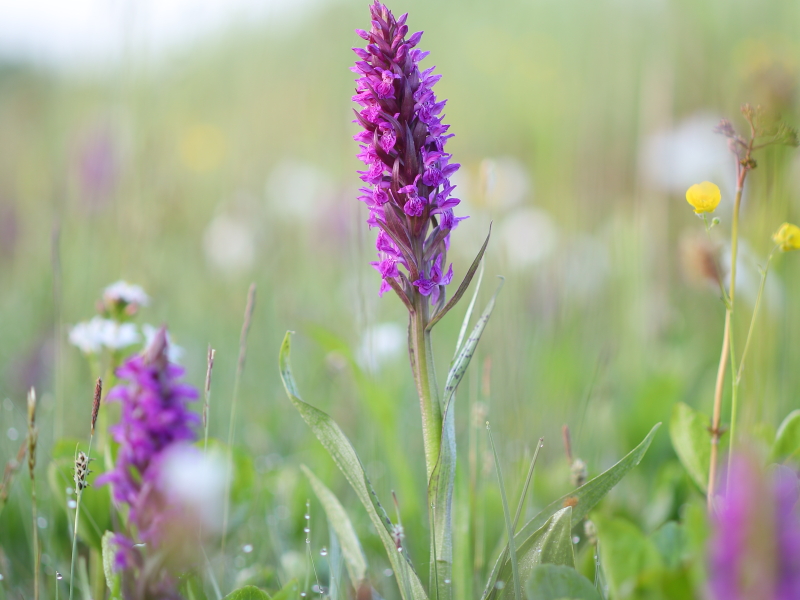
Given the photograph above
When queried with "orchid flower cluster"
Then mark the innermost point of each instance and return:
(155, 424)
(408, 170)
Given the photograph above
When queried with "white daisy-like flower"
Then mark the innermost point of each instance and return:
(122, 291)
(174, 352)
(88, 335)
(91, 336)
(119, 335)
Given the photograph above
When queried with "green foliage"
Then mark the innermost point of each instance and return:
(340, 522)
(584, 499)
(440, 486)
(290, 591)
(558, 582)
(95, 503)
(248, 592)
(552, 544)
(345, 457)
(113, 580)
(688, 430)
(628, 558)
(787, 439)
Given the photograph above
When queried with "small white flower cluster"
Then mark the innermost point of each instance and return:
(91, 336)
(99, 332)
(122, 291)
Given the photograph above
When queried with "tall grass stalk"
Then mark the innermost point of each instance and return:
(248, 316)
(32, 439)
(80, 483)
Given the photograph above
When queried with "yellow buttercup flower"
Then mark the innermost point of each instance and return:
(787, 237)
(704, 197)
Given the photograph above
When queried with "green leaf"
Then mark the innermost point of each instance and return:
(688, 430)
(345, 457)
(670, 541)
(113, 580)
(551, 544)
(338, 519)
(583, 500)
(291, 591)
(464, 284)
(629, 559)
(440, 486)
(512, 547)
(787, 440)
(248, 592)
(557, 582)
(95, 503)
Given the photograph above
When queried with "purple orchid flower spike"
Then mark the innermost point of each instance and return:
(155, 422)
(408, 170)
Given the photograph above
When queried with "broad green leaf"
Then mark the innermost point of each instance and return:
(440, 486)
(582, 501)
(688, 430)
(787, 440)
(557, 582)
(113, 580)
(290, 591)
(345, 457)
(248, 592)
(552, 544)
(628, 558)
(670, 541)
(338, 519)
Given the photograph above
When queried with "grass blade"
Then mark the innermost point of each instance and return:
(512, 548)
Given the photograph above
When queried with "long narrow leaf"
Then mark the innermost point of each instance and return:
(340, 522)
(463, 286)
(583, 500)
(442, 480)
(468, 315)
(512, 548)
(345, 457)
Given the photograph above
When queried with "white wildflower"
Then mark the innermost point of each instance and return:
(88, 335)
(122, 291)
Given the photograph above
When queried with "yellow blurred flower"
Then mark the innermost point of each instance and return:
(787, 237)
(704, 197)
(202, 147)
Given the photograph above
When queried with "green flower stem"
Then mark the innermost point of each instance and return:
(755, 314)
(731, 311)
(424, 375)
(421, 354)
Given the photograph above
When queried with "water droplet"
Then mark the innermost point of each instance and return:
(247, 548)
(316, 589)
(399, 548)
(70, 491)
(306, 530)
(59, 576)
(323, 552)
(500, 585)
(576, 539)
(308, 540)
(447, 582)
(41, 522)
(12, 434)
(388, 572)
(302, 594)
(71, 504)
(1, 577)
(307, 517)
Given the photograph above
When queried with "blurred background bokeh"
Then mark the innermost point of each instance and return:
(195, 149)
